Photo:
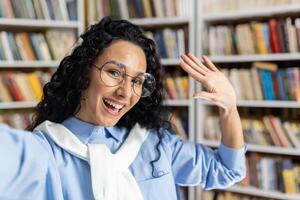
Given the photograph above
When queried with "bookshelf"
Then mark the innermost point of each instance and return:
(155, 21)
(261, 104)
(232, 15)
(37, 18)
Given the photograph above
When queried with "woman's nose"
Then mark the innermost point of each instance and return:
(125, 88)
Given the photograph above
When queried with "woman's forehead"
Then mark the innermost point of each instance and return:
(129, 55)
(117, 64)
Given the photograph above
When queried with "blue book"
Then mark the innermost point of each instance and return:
(160, 43)
(267, 83)
(266, 34)
(280, 82)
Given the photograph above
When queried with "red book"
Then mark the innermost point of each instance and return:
(274, 37)
(14, 87)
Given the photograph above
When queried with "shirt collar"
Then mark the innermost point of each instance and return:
(119, 133)
(83, 130)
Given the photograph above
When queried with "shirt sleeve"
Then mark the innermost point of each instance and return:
(24, 164)
(194, 164)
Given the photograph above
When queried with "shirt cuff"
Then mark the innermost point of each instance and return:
(232, 157)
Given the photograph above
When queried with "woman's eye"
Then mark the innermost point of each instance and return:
(138, 82)
(114, 73)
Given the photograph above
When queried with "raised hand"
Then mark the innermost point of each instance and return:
(219, 89)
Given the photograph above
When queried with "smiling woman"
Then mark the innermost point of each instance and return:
(99, 132)
(111, 95)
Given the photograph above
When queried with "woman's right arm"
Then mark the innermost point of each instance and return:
(23, 163)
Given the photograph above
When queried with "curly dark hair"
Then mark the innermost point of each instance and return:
(61, 96)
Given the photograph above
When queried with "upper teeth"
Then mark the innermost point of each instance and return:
(118, 106)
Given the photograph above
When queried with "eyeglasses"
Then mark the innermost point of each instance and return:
(113, 73)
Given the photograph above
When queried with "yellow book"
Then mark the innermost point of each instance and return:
(147, 8)
(261, 46)
(35, 85)
(288, 177)
(185, 85)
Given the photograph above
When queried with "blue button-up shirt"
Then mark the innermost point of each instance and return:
(34, 167)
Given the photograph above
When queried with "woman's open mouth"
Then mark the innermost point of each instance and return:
(113, 107)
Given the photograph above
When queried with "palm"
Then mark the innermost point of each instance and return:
(219, 89)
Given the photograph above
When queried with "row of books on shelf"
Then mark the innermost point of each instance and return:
(52, 45)
(267, 130)
(265, 81)
(272, 36)
(170, 42)
(39, 9)
(18, 120)
(221, 195)
(102, 8)
(211, 6)
(21, 86)
(177, 86)
(156, 8)
(140, 9)
(272, 173)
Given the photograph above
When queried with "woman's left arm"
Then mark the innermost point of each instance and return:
(220, 92)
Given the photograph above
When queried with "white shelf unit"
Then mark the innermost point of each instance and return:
(262, 193)
(26, 64)
(204, 19)
(168, 22)
(17, 24)
(261, 148)
(251, 58)
(17, 105)
(259, 104)
(252, 13)
(38, 23)
(179, 102)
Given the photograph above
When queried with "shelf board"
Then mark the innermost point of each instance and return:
(154, 21)
(29, 64)
(54, 64)
(18, 104)
(177, 102)
(252, 13)
(255, 57)
(260, 148)
(262, 193)
(170, 61)
(37, 23)
(262, 104)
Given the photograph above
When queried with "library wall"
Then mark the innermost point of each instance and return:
(256, 45)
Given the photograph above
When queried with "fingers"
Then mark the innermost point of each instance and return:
(191, 71)
(194, 64)
(196, 60)
(209, 63)
(212, 97)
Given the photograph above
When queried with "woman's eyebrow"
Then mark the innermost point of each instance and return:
(123, 65)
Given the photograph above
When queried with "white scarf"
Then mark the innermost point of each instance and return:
(111, 178)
